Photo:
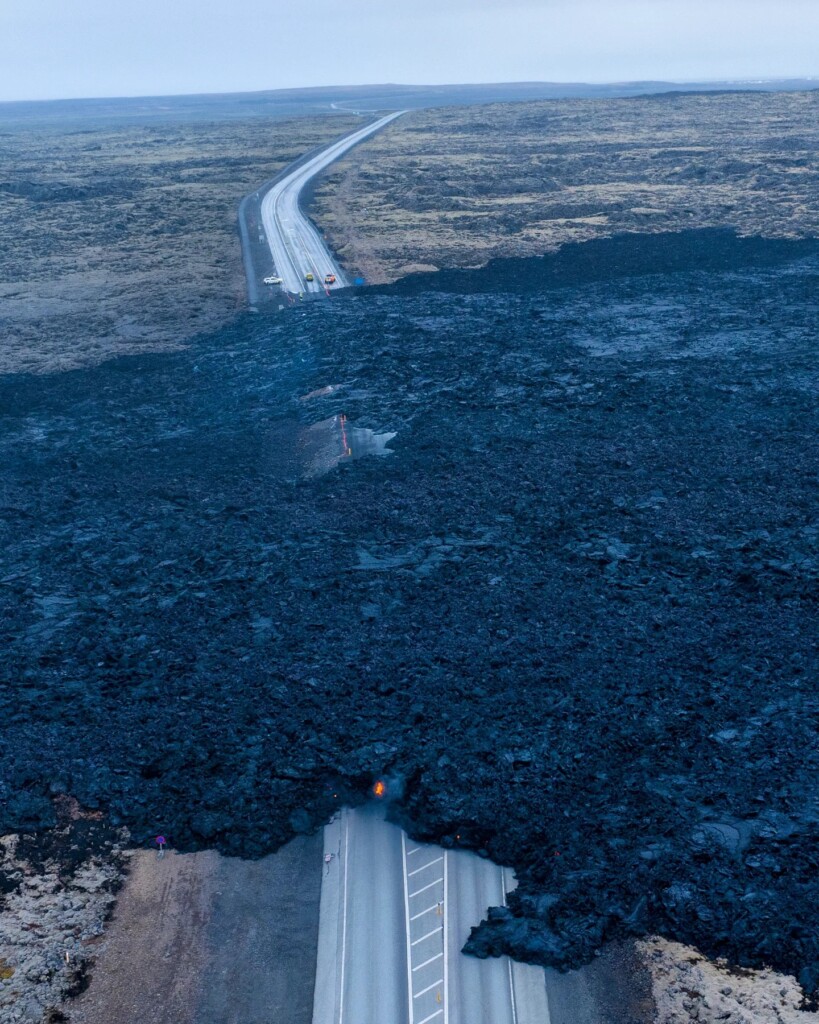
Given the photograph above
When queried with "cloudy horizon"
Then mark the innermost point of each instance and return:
(101, 49)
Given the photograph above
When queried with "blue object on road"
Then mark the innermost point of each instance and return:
(360, 280)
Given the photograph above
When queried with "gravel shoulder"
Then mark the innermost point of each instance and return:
(198, 937)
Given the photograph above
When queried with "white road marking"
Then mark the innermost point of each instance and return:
(429, 988)
(411, 852)
(419, 891)
(418, 871)
(509, 960)
(407, 922)
(344, 918)
(430, 1017)
(446, 944)
(431, 960)
(435, 931)
(421, 913)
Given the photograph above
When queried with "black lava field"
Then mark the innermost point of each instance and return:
(571, 618)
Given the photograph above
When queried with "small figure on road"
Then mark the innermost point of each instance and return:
(440, 909)
(327, 858)
(160, 842)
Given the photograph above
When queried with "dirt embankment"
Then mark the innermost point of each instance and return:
(123, 239)
(57, 890)
(687, 987)
(456, 187)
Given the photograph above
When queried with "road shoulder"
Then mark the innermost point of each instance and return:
(200, 937)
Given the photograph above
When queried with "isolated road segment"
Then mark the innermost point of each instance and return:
(295, 244)
(394, 917)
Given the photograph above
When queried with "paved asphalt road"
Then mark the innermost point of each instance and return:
(394, 916)
(295, 244)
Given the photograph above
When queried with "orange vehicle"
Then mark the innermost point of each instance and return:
(329, 278)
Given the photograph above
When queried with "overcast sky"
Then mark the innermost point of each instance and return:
(73, 48)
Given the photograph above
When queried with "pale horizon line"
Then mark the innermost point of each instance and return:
(745, 80)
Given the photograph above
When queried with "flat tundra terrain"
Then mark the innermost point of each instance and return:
(121, 237)
(457, 187)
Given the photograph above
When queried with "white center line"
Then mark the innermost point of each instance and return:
(511, 970)
(405, 887)
(431, 960)
(417, 871)
(422, 912)
(435, 931)
(346, 822)
(429, 988)
(419, 891)
(446, 938)
(424, 1021)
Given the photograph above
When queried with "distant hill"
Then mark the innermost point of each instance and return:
(299, 102)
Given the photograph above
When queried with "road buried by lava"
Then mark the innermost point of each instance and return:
(573, 614)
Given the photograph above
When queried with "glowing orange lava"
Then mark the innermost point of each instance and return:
(379, 789)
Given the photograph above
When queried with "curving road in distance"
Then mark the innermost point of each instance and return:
(295, 245)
